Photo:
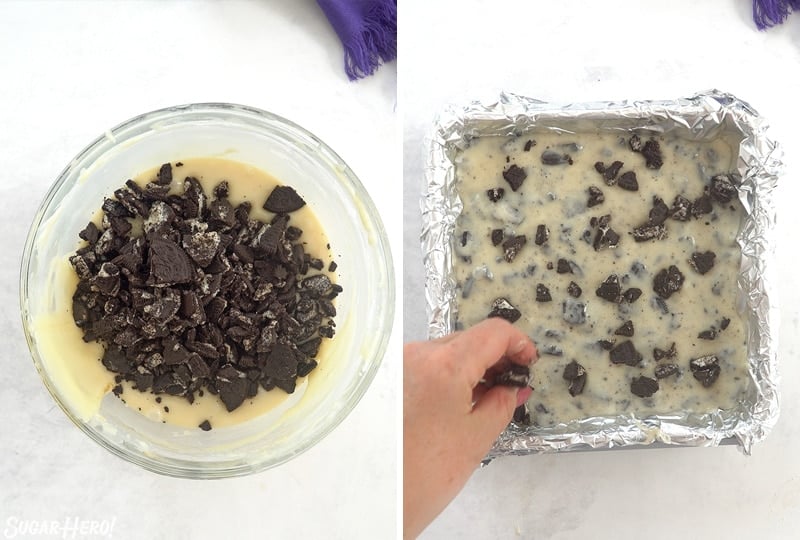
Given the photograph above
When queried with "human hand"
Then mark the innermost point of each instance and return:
(451, 418)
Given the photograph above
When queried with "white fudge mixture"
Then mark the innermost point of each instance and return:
(595, 344)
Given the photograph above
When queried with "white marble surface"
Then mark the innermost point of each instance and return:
(580, 51)
(69, 71)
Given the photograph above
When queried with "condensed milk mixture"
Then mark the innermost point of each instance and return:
(616, 253)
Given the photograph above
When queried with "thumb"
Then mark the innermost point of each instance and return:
(494, 410)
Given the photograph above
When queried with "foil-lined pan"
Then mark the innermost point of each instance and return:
(703, 116)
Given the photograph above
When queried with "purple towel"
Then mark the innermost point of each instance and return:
(767, 13)
(368, 30)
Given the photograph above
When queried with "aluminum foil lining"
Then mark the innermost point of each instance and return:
(701, 117)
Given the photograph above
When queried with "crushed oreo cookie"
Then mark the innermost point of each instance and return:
(502, 308)
(681, 208)
(497, 236)
(651, 151)
(705, 369)
(609, 173)
(710, 334)
(663, 371)
(723, 189)
(610, 289)
(512, 246)
(628, 182)
(625, 330)
(660, 354)
(576, 375)
(702, 206)
(563, 266)
(645, 233)
(515, 176)
(605, 237)
(606, 344)
(668, 281)
(514, 375)
(205, 297)
(543, 293)
(644, 386)
(631, 295)
(542, 235)
(625, 353)
(595, 197)
(659, 212)
(530, 143)
(702, 262)
(574, 290)
(495, 194)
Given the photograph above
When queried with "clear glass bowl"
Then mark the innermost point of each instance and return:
(293, 156)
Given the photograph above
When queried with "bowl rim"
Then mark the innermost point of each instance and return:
(106, 142)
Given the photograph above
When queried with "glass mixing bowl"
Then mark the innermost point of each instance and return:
(365, 308)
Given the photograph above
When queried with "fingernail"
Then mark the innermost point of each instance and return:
(519, 346)
(523, 394)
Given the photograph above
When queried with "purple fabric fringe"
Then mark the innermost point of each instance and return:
(368, 31)
(767, 13)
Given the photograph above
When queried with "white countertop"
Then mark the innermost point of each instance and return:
(573, 51)
(69, 71)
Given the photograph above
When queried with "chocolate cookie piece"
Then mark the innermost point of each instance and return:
(495, 194)
(652, 154)
(512, 246)
(681, 209)
(502, 308)
(576, 375)
(635, 143)
(668, 281)
(515, 176)
(701, 206)
(660, 354)
(574, 290)
(605, 237)
(705, 369)
(497, 236)
(625, 353)
(514, 375)
(644, 386)
(283, 200)
(606, 344)
(723, 189)
(543, 293)
(563, 266)
(551, 157)
(205, 425)
(521, 416)
(169, 264)
(595, 197)
(631, 295)
(663, 371)
(610, 173)
(610, 289)
(625, 330)
(660, 211)
(628, 181)
(530, 143)
(709, 335)
(649, 232)
(702, 262)
(542, 235)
